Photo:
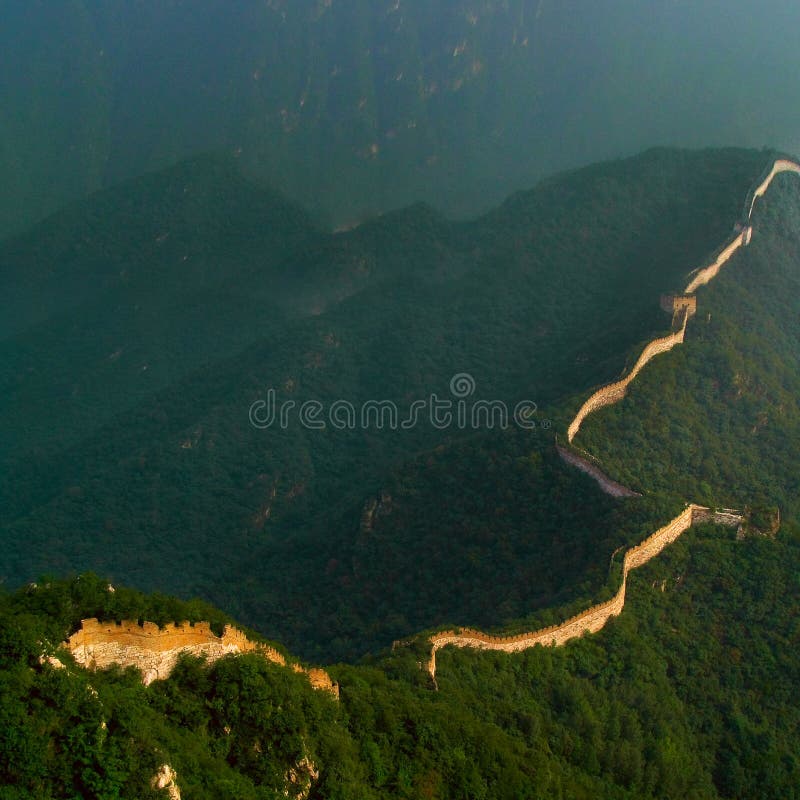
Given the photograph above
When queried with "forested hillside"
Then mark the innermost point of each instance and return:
(337, 541)
(133, 453)
(690, 693)
(344, 456)
(718, 418)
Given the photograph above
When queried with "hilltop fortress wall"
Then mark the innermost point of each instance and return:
(704, 275)
(780, 165)
(745, 233)
(155, 651)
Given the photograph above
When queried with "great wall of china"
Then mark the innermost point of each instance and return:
(614, 392)
(595, 618)
(155, 651)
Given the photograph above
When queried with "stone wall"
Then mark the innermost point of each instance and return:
(675, 303)
(614, 392)
(155, 651)
(594, 618)
(704, 275)
(744, 235)
(780, 165)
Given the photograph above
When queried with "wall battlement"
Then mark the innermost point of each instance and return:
(614, 392)
(675, 303)
(155, 651)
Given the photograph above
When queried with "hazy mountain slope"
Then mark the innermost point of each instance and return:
(538, 300)
(372, 104)
(718, 418)
(492, 531)
(188, 227)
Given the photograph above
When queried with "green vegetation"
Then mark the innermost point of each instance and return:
(495, 532)
(127, 447)
(690, 693)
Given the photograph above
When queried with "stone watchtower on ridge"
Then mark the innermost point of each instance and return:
(676, 304)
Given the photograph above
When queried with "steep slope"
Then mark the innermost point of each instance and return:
(110, 302)
(760, 519)
(690, 693)
(367, 105)
(494, 531)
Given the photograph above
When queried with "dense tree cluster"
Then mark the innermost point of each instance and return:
(690, 693)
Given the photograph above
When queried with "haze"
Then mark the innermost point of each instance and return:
(353, 108)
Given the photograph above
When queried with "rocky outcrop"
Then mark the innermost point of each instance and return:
(155, 651)
(374, 508)
(165, 780)
(301, 778)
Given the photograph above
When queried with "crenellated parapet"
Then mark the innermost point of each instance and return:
(155, 650)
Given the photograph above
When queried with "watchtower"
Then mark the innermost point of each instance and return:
(674, 303)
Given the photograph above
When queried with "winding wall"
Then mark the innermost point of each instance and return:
(594, 618)
(703, 275)
(780, 165)
(614, 392)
